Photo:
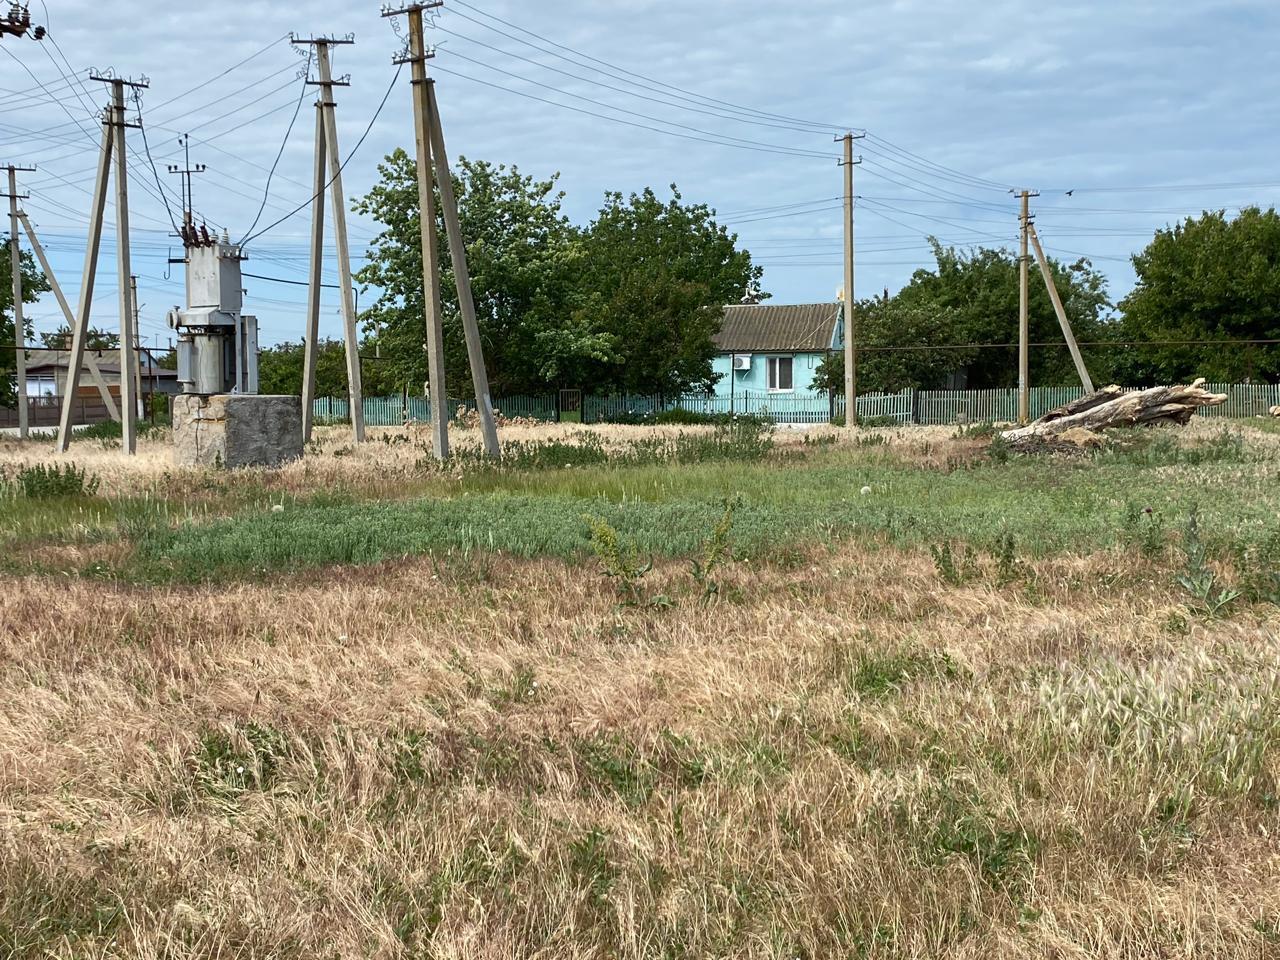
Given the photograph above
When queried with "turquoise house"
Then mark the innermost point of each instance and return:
(775, 349)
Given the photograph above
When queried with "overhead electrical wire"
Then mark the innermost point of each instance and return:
(785, 151)
(266, 191)
(342, 166)
(643, 116)
(718, 114)
(812, 125)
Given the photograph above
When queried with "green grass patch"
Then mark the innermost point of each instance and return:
(665, 510)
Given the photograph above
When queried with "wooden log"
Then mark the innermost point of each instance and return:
(1112, 407)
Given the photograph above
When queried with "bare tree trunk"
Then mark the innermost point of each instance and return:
(1112, 407)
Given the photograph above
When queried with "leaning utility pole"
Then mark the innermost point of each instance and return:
(433, 168)
(90, 363)
(462, 276)
(19, 322)
(1024, 312)
(327, 151)
(113, 139)
(850, 321)
(1085, 380)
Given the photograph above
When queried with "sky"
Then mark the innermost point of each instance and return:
(1145, 111)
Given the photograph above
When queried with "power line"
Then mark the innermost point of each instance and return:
(266, 191)
(342, 166)
(732, 141)
(292, 283)
(718, 114)
(813, 125)
(784, 151)
(137, 100)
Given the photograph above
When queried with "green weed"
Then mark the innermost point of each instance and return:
(1198, 579)
(43, 481)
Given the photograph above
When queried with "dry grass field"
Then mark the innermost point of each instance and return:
(766, 696)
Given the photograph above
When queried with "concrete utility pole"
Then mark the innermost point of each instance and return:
(1024, 312)
(466, 303)
(113, 139)
(433, 167)
(128, 358)
(1085, 380)
(327, 150)
(417, 57)
(311, 338)
(849, 163)
(90, 363)
(19, 322)
(135, 335)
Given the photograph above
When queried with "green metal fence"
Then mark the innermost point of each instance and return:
(937, 407)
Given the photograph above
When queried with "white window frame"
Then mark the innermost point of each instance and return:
(773, 374)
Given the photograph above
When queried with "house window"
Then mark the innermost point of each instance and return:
(781, 379)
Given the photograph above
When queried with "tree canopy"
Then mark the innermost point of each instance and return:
(1208, 278)
(628, 302)
(34, 283)
(945, 318)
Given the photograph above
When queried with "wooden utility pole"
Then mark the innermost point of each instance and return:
(113, 140)
(19, 322)
(327, 150)
(850, 304)
(433, 169)
(1085, 380)
(90, 363)
(1024, 312)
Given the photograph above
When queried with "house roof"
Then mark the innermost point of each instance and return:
(57, 360)
(767, 327)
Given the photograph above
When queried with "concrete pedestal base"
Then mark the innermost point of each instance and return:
(231, 430)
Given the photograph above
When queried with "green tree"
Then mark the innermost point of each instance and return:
(628, 303)
(901, 346)
(280, 369)
(655, 280)
(96, 340)
(1208, 278)
(34, 283)
(977, 291)
(523, 256)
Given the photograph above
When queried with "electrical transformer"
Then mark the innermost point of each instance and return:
(217, 343)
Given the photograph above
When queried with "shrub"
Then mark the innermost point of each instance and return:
(44, 481)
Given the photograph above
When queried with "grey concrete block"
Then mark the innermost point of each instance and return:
(236, 430)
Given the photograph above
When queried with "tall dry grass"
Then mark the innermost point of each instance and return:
(479, 757)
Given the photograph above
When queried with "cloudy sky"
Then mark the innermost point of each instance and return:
(1148, 111)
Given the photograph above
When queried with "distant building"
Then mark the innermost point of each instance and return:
(47, 374)
(775, 348)
(47, 383)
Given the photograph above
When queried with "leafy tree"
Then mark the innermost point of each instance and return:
(280, 369)
(1207, 278)
(655, 279)
(34, 283)
(900, 346)
(523, 255)
(96, 339)
(977, 291)
(628, 303)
